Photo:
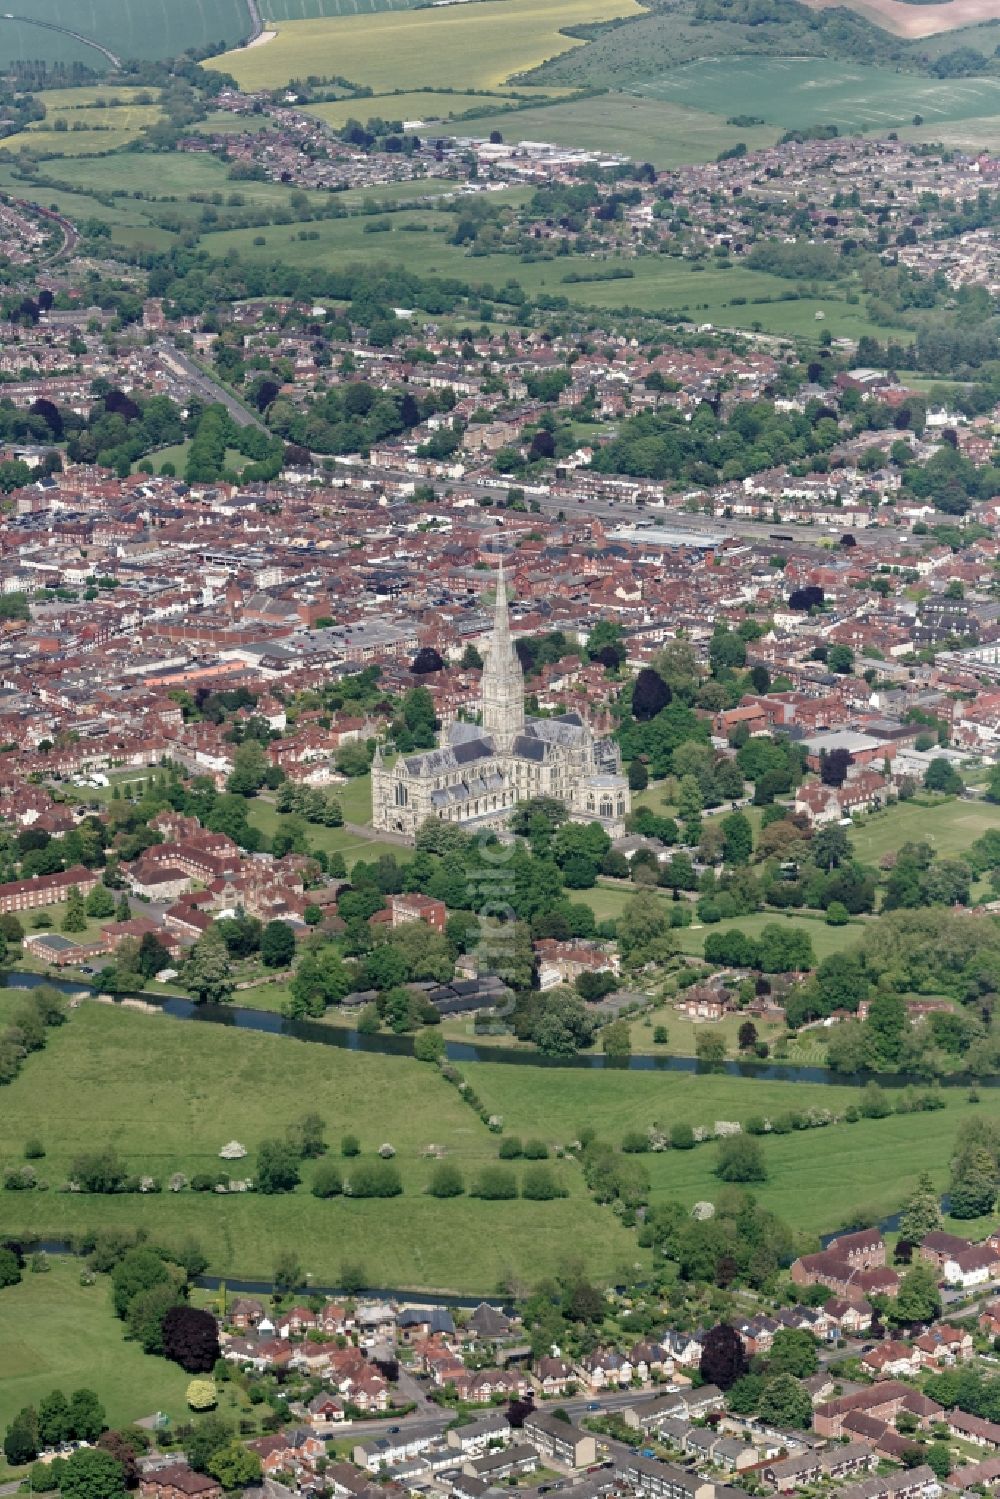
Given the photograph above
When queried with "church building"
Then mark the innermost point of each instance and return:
(480, 772)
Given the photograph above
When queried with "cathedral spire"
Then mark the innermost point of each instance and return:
(501, 618)
(503, 679)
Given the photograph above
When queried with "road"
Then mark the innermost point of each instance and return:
(431, 1419)
(708, 526)
(203, 385)
(697, 527)
(621, 513)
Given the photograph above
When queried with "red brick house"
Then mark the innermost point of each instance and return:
(178, 1481)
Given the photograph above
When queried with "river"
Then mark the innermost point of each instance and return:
(241, 1017)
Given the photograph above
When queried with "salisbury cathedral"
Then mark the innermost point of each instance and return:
(481, 771)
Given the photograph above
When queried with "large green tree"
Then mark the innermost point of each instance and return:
(207, 972)
(918, 1298)
(921, 1211)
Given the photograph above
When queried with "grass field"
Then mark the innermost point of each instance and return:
(667, 134)
(817, 1177)
(57, 1334)
(418, 239)
(130, 28)
(973, 135)
(168, 174)
(949, 826)
(609, 901)
(798, 92)
(422, 105)
(82, 121)
(478, 45)
(169, 1095)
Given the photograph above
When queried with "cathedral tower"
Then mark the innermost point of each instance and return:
(503, 679)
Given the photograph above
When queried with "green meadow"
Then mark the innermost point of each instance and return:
(57, 1334)
(816, 1178)
(418, 239)
(661, 131)
(167, 1096)
(798, 92)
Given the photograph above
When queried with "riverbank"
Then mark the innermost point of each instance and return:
(494, 1050)
(166, 1097)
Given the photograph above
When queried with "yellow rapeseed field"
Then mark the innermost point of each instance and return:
(475, 45)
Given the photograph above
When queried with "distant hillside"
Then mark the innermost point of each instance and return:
(624, 53)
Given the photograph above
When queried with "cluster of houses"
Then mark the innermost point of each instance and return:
(612, 1423)
(854, 1266)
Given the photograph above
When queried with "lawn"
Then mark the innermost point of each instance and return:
(57, 1334)
(683, 1033)
(817, 1177)
(55, 916)
(102, 1079)
(825, 939)
(177, 454)
(949, 825)
(478, 45)
(609, 901)
(799, 92)
(355, 797)
(667, 134)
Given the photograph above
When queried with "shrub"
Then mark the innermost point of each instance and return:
(327, 1181)
(375, 1179)
(540, 1185)
(201, 1394)
(34, 1150)
(350, 1145)
(536, 1150)
(207, 1181)
(428, 1046)
(740, 1159)
(682, 1137)
(510, 1148)
(20, 1179)
(446, 1181)
(634, 1142)
(495, 1184)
